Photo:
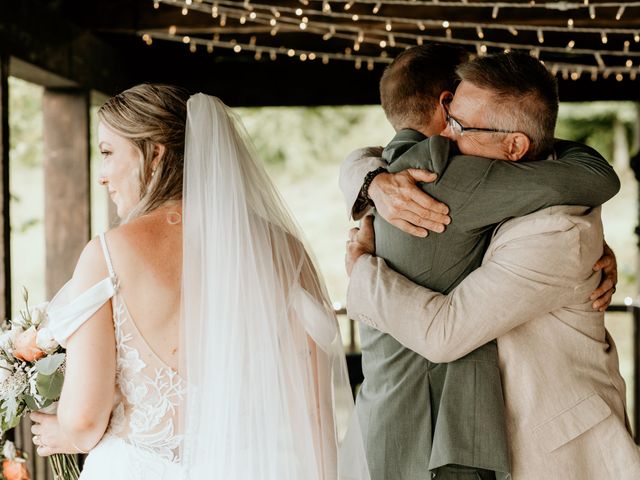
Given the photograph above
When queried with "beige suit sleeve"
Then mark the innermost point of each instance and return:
(352, 172)
(523, 279)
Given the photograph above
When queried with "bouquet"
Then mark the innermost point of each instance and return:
(31, 376)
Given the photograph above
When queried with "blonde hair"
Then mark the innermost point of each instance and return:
(149, 115)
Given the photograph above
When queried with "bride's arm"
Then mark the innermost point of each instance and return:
(89, 385)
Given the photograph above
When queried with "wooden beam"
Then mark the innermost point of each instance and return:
(5, 226)
(36, 34)
(66, 172)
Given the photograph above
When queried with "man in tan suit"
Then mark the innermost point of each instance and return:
(563, 391)
(564, 395)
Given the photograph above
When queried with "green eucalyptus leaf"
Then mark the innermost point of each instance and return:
(31, 402)
(49, 364)
(50, 386)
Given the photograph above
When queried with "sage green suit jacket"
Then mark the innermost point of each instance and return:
(417, 415)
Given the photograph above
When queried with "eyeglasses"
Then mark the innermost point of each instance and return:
(458, 129)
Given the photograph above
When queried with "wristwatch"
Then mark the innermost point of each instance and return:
(364, 200)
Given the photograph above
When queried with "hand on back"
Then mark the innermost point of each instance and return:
(402, 203)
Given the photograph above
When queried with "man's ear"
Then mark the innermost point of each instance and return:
(516, 145)
(445, 97)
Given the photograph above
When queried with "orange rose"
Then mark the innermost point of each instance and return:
(15, 470)
(25, 347)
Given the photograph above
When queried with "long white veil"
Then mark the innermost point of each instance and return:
(269, 396)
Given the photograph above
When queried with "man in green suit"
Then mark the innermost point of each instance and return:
(447, 420)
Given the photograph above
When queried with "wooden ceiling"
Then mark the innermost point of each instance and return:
(327, 52)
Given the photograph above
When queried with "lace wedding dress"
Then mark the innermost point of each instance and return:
(143, 440)
(265, 393)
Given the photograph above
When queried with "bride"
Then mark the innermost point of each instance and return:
(200, 339)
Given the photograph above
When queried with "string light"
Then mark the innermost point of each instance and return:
(420, 23)
(404, 37)
(376, 7)
(564, 68)
(592, 12)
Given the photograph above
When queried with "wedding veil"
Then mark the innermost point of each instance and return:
(268, 395)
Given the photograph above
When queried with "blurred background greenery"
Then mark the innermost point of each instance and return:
(302, 149)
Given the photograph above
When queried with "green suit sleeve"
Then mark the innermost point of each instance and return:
(578, 176)
(483, 192)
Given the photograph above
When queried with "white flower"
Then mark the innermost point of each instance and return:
(45, 341)
(8, 338)
(9, 450)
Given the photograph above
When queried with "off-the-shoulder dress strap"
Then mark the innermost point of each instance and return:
(107, 257)
(66, 315)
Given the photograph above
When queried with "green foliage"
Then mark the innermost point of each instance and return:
(50, 386)
(300, 140)
(25, 120)
(49, 364)
(593, 123)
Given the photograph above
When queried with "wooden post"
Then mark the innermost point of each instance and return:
(5, 226)
(66, 172)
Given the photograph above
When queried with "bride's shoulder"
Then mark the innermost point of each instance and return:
(90, 268)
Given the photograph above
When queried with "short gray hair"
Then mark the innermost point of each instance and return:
(525, 96)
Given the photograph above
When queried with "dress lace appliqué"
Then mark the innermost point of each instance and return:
(150, 394)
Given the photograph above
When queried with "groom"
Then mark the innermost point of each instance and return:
(455, 430)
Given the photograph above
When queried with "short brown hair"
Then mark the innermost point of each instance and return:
(411, 85)
(525, 96)
(148, 115)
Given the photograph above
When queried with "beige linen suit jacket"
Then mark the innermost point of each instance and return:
(565, 398)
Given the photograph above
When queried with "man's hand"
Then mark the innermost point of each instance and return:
(403, 204)
(602, 295)
(361, 241)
